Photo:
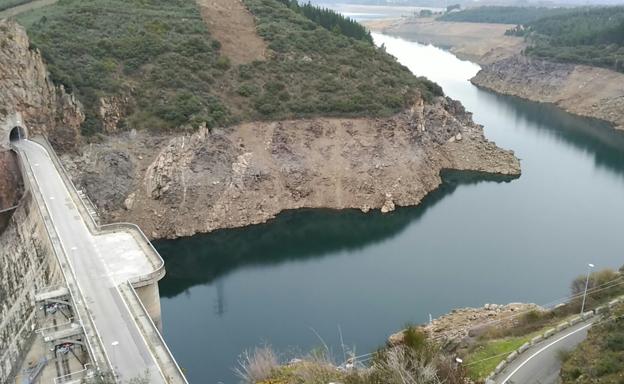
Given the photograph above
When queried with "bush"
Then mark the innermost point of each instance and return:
(257, 366)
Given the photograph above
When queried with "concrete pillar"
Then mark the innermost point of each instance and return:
(150, 297)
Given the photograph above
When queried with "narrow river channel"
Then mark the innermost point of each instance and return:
(318, 274)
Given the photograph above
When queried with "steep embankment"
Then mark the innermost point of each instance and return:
(177, 186)
(579, 89)
(181, 181)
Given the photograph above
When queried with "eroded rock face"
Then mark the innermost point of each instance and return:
(579, 89)
(25, 87)
(11, 183)
(249, 173)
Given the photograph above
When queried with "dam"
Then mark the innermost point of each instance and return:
(79, 300)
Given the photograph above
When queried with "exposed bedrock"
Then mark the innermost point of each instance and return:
(182, 185)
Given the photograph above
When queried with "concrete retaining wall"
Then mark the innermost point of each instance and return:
(27, 264)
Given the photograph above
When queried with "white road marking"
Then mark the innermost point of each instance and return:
(542, 350)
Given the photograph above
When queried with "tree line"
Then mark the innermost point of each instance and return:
(588, 35)
(330, 20)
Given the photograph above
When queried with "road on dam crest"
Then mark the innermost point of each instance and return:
(92, 259)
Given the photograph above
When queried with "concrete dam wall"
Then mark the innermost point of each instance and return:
(27, 265)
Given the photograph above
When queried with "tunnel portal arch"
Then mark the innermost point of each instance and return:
(17, 133)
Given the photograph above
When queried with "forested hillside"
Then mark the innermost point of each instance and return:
(503, 15)
(593, 36)
(330, 20)
(156, 61)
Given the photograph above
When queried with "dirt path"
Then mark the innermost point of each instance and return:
(233, 25)
(11, 12)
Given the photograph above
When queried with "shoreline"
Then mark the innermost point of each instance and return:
(581, 90)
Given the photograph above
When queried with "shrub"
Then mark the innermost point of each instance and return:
(257, 366)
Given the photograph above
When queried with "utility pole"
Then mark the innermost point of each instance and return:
(589, 267)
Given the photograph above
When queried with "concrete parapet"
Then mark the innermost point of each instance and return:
(613, 303)
(562, 326)
(523, 348)
(537, 339)
(500, 366)
(549, 332)
(574, 320)
(587, 315)
(512, 356)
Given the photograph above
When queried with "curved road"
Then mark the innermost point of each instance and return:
(541, 364)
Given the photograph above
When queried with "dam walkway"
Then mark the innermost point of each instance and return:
(106, 268)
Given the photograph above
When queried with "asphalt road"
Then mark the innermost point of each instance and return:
(89, 256)
(540, 364)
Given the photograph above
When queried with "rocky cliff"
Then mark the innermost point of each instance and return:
(26, 87)
(180, 185)
(579, 89)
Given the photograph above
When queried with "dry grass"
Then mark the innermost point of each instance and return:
(257, 366)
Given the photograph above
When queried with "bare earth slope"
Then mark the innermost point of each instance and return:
(178, 186)
(234, 27)
(579, 89)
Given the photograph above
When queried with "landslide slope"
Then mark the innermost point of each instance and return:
(186, 133)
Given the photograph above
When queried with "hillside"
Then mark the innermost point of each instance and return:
(502, 14)
(600, 358)
(155, 65)
(591, 36)
(189, 129)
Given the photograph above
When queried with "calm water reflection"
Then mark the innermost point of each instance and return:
(471, 242)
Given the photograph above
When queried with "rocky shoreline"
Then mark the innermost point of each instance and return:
(174, 186)
(578, 89)
(462, 324)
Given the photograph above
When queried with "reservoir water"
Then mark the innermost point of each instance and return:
(318, 274)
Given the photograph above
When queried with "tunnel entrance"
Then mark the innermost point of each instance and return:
(17, 133)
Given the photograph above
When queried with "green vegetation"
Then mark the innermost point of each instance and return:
(503, 15)
(159, 58)
(592, 36)
(157, 53)
(316, 71)
(416, 360)
(600, 358)
(6, 4)
(485, 356)
(330, 20)
(587, 35)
